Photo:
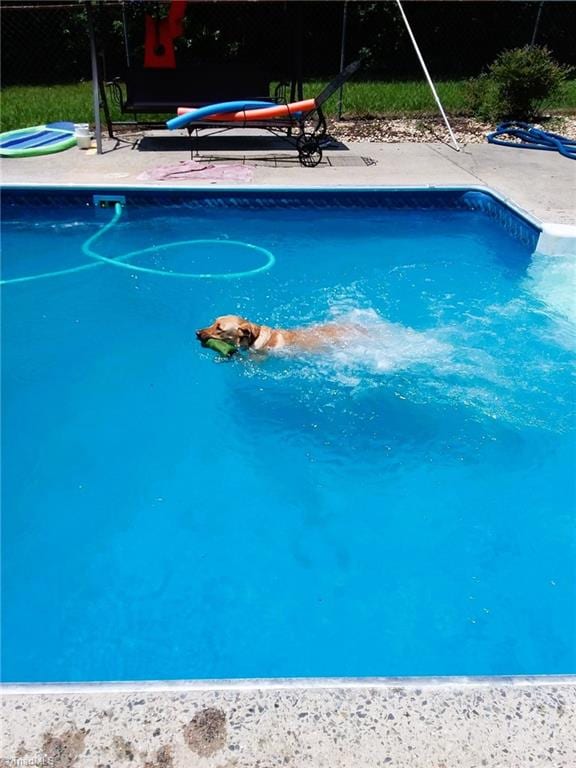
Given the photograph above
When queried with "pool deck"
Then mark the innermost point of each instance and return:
(366, 723)
(407, 723)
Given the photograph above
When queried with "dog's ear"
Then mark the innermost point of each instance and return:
(247, 333)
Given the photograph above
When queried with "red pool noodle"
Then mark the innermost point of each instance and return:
(160, 36)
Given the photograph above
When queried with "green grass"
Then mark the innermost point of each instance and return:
(27, 105)
(371, 99)
(24, 105)
(394, 98)
(33, 105)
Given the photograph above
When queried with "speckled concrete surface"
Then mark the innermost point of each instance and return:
(499, 723)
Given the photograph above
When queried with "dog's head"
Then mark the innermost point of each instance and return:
(231, 328)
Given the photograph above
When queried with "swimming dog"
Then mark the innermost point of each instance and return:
(244, 334)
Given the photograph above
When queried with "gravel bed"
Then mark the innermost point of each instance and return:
(426, 129)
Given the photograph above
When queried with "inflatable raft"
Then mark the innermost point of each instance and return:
(37, 140)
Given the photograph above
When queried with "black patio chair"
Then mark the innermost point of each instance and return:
(295, 127)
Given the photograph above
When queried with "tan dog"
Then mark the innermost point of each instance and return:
(261, 338)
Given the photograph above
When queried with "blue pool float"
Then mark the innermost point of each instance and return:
(214, 109)
(37, 140)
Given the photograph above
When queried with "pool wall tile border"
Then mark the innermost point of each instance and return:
(518, 223)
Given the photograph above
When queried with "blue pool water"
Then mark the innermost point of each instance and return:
(403, 505)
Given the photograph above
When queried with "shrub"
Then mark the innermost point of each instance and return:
(517, 84)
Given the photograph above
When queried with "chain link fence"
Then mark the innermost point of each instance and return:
(46, 43)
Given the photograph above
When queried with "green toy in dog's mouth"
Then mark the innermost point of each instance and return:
(224, 348)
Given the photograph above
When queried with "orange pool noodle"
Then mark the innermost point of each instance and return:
(246, 115)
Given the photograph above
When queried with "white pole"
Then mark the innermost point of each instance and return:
(95, 78)
(342, 51)
(125, 29)
(533, 41)
(430, 83)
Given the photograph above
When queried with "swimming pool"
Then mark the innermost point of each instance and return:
(400, 506)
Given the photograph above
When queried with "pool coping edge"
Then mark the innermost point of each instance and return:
(308, 683)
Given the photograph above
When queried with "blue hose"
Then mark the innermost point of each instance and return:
(532, 138)
(118, 261)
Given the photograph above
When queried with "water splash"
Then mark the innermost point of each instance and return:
(552, 281)
(478, 365)
(379, 346)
